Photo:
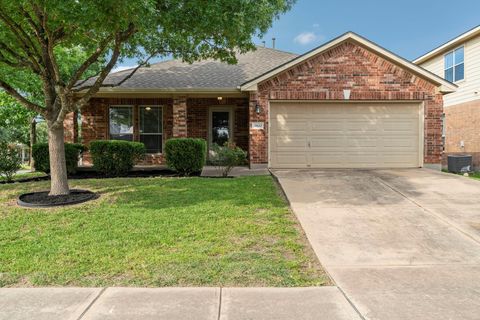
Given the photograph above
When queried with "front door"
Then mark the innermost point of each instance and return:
(220, 127)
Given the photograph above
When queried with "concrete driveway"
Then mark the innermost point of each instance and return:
(401, 244)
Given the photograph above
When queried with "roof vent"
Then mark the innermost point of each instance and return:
(273, 43)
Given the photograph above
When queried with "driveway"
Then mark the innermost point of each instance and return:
(400, 244)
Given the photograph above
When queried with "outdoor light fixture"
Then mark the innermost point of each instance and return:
(258, 109)
(219, 98)
(148, 108)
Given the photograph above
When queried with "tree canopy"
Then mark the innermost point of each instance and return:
(37, 38)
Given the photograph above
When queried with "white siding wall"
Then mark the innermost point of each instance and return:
(466, 88)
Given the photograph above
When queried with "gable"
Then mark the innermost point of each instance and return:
(376, 51)
(346, 66)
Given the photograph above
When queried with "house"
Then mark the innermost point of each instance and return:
(347, 104)
(458, 61)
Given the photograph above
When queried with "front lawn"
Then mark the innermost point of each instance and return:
(26, 175)
(157, 232)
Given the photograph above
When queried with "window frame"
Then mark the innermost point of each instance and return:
(454, 64)
(110, 119)
(226, 108)
(152, 134)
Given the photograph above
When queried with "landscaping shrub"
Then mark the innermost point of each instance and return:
(41, 158)
(115, 158)
(227, 157)
(186, 155)
(10, 161)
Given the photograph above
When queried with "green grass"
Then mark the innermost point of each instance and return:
(21, 176)
(475, 175)
(157, 232)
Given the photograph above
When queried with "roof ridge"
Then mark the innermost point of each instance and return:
(275, 49)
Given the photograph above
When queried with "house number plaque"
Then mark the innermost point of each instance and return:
(258, 125)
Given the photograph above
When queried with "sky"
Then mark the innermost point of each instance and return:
(408, 28)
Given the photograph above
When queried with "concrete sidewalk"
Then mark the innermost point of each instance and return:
(326, 303)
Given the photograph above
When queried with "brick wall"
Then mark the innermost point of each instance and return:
(462, 124)
(95, 121)
(198, 113)
(348, 66)
(70, 127)
(191, 117)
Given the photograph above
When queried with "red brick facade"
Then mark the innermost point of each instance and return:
(461, 124)
(348, 66)
(198, 115)
(181, 117)
(322, 77)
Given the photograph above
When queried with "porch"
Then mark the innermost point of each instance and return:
(153, 120)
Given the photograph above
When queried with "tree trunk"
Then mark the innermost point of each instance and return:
(33, 140)
(58, 167)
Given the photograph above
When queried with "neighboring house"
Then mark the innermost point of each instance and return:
(348, 103)
(458, 61)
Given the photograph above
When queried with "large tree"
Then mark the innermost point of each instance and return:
(34, 35)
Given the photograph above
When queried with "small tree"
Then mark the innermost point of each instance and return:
(10, 161)
(227, 157)
(35, 34)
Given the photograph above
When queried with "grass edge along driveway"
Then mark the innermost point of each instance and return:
(157, 232)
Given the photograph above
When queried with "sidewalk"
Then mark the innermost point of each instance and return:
(326, 303)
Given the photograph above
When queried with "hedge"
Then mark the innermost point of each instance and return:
(115, 157)
(186, 155)
(41, 157)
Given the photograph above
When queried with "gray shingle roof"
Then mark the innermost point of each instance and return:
(175, 74)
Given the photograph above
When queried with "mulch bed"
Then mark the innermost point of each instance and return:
(43, 200)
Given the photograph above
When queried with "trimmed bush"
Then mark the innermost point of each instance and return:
(41, 158)
(186, 155)
(10, 161)
(115, 158)
(227, 156)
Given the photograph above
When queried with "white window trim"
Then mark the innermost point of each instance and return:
(152, 134)
(455, 65)
(133, 119)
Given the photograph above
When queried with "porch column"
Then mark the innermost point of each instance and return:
(179, 117)
(258, 144)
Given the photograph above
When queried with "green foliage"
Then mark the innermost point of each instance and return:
(227, 157)
(41, 158)
(10, 161)
(115, 157)
(186, 155)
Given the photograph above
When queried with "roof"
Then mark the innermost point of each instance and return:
(206, 75)
(449, 45)
(445, 86)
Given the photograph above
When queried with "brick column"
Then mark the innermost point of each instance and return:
(257, 144)
(179, 117)
(70, 126)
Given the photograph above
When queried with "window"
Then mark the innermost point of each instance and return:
(454, 65)
(121, 123)
(151, 128)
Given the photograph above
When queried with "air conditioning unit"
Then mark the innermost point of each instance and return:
(459, 163)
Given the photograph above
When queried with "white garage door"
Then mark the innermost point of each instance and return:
(351, 135)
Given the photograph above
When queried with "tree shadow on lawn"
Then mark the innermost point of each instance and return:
(178, 193)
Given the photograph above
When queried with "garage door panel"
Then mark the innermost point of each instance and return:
(292, 126)
(334, 135)
(289, 143)
(326, 126)
(290, 160)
